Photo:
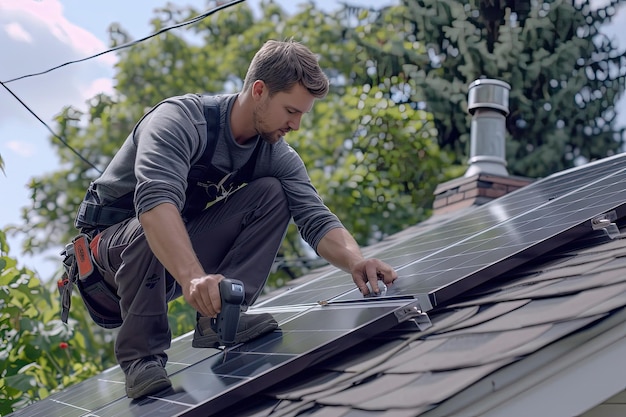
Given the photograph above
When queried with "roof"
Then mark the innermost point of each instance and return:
(536, 342)
(545, 337)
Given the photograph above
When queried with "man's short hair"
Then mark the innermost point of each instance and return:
(282, 64)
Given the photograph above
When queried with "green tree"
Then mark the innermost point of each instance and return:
(356, 129)
(564, 73)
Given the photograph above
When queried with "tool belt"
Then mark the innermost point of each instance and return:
(80, 268)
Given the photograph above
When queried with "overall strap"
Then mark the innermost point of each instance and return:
(211, 114)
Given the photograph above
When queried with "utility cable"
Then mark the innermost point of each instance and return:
(129, 44)
(63, 141)
(117, 48)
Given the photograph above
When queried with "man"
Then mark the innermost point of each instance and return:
(202, 189)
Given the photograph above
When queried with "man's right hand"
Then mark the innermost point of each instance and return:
(203, 294)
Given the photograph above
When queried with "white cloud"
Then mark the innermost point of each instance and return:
(36, 36)
(23, 149)
(17, 32)
(49, 16)
(100, 85)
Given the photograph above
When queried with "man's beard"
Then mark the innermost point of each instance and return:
(270, 137)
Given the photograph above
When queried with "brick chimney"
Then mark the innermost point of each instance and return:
(486, 177)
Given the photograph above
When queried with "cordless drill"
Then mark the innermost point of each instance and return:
(232, 296)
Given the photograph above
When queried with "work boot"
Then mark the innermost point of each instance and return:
(146, 376)
(250, 327)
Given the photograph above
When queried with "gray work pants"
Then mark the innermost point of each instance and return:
(238, 238)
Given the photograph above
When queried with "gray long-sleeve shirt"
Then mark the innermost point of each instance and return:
(155, 159)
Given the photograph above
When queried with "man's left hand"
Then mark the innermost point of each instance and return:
(372, 270)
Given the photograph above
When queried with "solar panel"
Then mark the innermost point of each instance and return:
(443, 262)
(207, 381)
(434, 267)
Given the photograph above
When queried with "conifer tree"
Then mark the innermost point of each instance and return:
(566, 76)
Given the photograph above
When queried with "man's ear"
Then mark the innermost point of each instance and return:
(259, 89)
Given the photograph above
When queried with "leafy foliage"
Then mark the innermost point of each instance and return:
(565, 75)
(40, 354)
(366, 167)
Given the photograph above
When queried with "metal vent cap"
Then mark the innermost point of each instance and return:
(488, 94)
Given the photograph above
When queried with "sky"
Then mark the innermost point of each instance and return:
(36, 35)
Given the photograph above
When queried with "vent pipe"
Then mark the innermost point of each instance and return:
(488, 103)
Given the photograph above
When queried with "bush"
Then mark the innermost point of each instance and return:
(41, 354)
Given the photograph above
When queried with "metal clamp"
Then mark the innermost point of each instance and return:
(413, 313)
(606, 222)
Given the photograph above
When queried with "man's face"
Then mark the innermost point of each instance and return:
(275, 116)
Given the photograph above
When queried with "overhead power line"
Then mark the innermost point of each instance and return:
(117, 48)
(62, 140)
(129, 44)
